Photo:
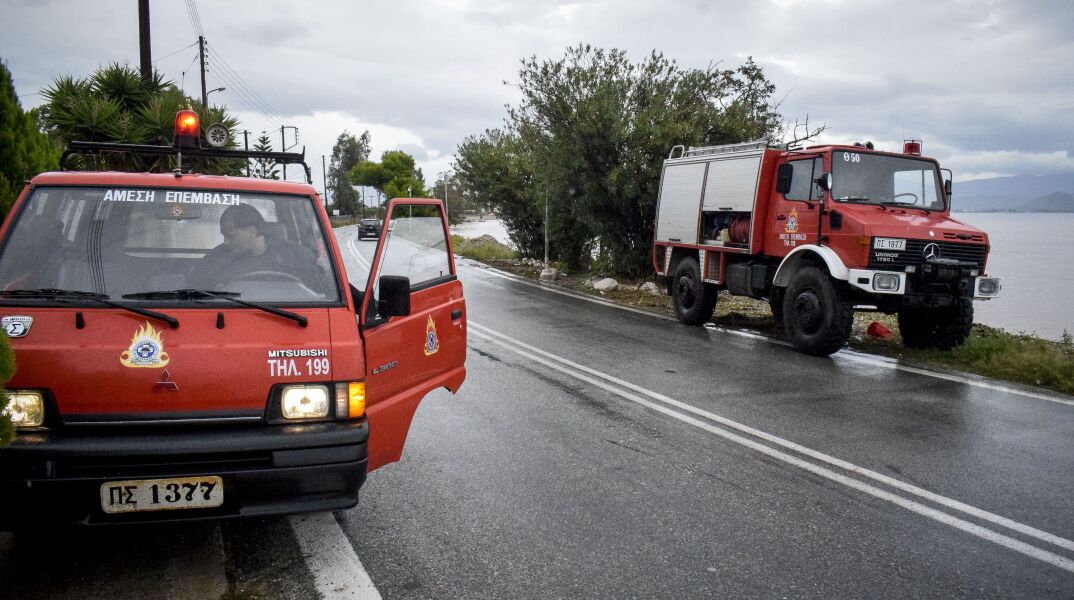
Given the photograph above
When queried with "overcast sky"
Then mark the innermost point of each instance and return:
(988, 85)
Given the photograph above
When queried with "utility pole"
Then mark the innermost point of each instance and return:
(143, 41)
(201, 53)
(283, 144)
(246, 144)
(324, 174)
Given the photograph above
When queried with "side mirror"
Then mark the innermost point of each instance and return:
(394, 298)
(947, 187)
(824, 182)
(783, 178)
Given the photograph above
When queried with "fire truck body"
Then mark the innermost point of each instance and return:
(819, 232)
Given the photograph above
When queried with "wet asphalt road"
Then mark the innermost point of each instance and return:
(534, 483)
(609, 457)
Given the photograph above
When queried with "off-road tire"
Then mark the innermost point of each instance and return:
(817, 312)
(942, 328)
(694, 300)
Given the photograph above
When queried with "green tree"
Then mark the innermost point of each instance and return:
(264, 168)
(347, 152)
(599, 127)
(458, 200)
(498, 173)
(7, 369)
(394, 176)
(115, 105)
(24, 150)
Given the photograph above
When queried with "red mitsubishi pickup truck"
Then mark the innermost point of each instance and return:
(191, 347)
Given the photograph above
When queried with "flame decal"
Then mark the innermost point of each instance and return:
(146, 351)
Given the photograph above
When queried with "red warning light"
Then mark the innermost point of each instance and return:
(912, 147)
(187, 129)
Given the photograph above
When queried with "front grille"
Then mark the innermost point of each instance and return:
(914, 254)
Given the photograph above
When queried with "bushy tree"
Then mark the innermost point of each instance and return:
(264, 168)
(592, 130)
(394, 176)
(346, 153)
(458, 200)
(116, 105)
(24, 150)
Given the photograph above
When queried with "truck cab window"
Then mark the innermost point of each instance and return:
(803, 186)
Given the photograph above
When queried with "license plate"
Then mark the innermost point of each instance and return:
(889, 244)
(139, 495)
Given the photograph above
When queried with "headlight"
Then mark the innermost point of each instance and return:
(26, 408)
(987, 287)
(304, 402)
(885, 282)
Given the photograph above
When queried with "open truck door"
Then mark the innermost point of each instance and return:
(413, 322)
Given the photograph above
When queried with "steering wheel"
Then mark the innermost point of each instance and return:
(267, 276)
(911, 194)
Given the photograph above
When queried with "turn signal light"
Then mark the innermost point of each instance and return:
(350, 400)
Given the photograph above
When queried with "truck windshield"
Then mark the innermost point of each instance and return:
(886, 180)
(116, 241)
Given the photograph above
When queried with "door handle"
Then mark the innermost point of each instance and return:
(456, 314)
(781, 217)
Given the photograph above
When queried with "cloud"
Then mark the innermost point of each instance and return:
(988, 82)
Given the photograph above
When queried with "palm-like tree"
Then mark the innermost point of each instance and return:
(115, 105)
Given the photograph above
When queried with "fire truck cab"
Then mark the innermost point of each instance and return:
(193, 347)
(820, 232)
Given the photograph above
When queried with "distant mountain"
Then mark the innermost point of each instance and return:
(1055, 202)
(1010, 193)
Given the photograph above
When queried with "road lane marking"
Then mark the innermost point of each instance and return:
(845, 354)
(663, 405)
(337, 572)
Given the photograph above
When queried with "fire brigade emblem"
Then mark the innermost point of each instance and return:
(432, 344)
(792, 221)
(147, 349)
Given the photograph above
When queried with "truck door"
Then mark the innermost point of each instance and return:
(795, 215)
(409, 355)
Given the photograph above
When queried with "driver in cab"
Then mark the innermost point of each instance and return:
(250, 252)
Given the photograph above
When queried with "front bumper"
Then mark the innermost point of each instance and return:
(896, 283)
(54, 478)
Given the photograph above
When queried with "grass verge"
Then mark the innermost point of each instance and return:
(989, 352)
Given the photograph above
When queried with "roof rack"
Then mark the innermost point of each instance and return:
(97, 148)
(726, 148)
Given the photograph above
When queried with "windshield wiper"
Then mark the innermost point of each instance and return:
(905, 205)
(229, 296)
(95, 297)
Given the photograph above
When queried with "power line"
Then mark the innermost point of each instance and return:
(174, 53)
(263, 103)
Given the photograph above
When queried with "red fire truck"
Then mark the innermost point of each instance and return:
(191, 346)
(820, 232)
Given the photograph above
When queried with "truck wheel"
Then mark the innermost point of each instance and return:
(942, 328)
(695, 300)
(817, 313)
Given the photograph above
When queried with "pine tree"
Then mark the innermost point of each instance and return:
(264, 168)
(24, 151)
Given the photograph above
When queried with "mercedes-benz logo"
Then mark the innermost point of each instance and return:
(931, 251)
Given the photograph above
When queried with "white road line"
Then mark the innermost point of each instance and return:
(848, 355)
(337, 572)
(615, 386)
